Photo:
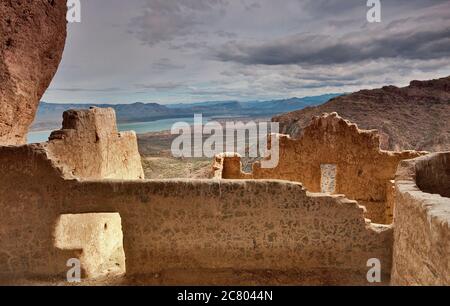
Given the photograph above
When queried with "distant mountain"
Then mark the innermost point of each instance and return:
(288, 105)
(49, 114)
(414, 117)
(198, 104)
(282, 105)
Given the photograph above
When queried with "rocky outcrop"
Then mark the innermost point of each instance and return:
(32, 38)
(416, 117)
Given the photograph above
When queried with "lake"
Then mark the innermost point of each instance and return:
(138, 127)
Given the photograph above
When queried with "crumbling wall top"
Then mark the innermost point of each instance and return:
(422, 222)
(90, 147)
(332, 145)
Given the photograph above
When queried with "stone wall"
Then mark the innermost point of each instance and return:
(81, 195)
(363, 171)
(422, 222)
(90, 147)
(181, 225)
(433, 175)
(32, 38)
(98, 237)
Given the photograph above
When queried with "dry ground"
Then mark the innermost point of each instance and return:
(158, 162)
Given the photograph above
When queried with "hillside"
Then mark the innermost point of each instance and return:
(414, 117)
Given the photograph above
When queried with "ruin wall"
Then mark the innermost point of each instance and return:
(363, 171)
(422, 222)
(183, 225)
(89, 146)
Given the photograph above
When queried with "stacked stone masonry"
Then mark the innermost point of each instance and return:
(175, 225)
(422, 222)
(363, 171)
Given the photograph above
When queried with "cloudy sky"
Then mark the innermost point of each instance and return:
(169, 51)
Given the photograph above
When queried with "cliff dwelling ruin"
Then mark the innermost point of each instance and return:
(332, 156)
(334, 201)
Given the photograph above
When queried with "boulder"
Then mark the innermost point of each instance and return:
(32, 39)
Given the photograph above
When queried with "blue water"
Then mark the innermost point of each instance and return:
(138, 127)
(37, 137)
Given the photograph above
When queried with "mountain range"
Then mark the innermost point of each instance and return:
(49, 114)
(415, 117)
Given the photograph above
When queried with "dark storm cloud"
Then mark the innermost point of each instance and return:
(337, 7)
(174, 51)
(408, 40)
(326, 7)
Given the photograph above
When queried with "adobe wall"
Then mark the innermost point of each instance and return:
(185, 225)
(98, 237)
(180, 225)
(422, 222)
(363, 170)
(433, 175)
(89, 146)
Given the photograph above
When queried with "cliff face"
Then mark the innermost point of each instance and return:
(416, 117)
(32, 38)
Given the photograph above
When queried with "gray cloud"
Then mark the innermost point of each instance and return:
(252, 6)
(225, 34)
(188, 45)
(165, 64)
(332, 78)
(165, 20)
(160, 86)
(425, 37)
(172, 51)
(81, 89)
(339, 7)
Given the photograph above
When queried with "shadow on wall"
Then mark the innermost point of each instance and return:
(177, 228)
(185, 231)
(433, 175)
